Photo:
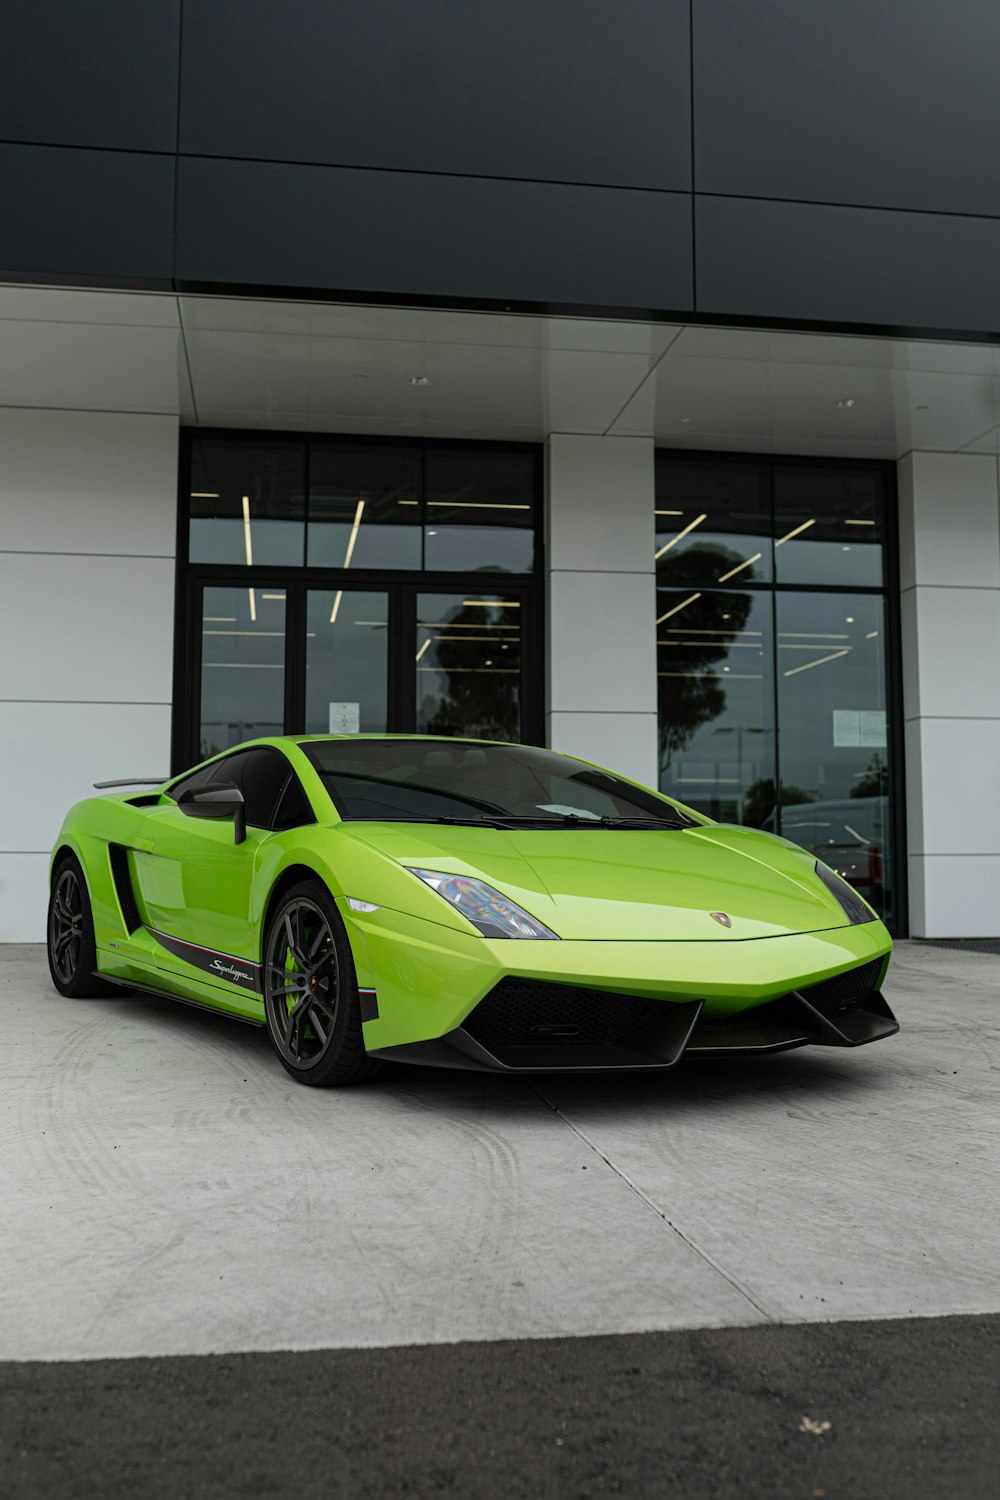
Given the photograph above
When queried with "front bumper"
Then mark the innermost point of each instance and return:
(660, 1038)
(433, 987)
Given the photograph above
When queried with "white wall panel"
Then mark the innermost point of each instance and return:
(949, 523)
(955, 895)
(88, 506)
(962, 755)
(24, 894)
(953, 671)
(950, 607)
(600, 504)
(600, 528)
(87, 629)
(602, 642)
(622, 742)
(72, 745)
(87, 482)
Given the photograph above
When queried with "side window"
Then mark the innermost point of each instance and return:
(263, 776)
(294, 810)
(194, 781)
(262, 780)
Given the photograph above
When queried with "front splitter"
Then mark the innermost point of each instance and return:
(661, 1043)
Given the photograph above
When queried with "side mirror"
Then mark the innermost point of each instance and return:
(221, 801)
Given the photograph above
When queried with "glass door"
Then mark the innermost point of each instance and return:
(468, 664)
(292, 655)
(346, 661)
(241, 669)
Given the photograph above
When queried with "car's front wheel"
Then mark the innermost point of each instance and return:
(311, 991)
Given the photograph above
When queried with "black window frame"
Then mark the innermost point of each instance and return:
(401, 586)
(206, 776)
(888, 590)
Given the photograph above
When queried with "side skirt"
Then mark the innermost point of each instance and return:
(147, 989)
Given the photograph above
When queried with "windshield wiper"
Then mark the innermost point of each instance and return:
(570, 821)
(515, 823)
(449, 821)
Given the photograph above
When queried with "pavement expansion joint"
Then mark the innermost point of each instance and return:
(660, 1212)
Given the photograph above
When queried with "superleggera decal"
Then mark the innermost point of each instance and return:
(238, 971)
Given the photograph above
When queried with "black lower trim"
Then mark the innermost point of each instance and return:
(654, 1045)
(368, 1003)
(677, 1031)
(218, 966)
(159, 994)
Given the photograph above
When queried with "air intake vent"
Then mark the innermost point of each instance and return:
(845, 993)
(123, 888)
(531, 1013)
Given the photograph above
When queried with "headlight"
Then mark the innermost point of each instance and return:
(493, 915)
(851, 903)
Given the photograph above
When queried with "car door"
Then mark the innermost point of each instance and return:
(196, 882)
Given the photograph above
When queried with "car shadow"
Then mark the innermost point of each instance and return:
(694, 1083)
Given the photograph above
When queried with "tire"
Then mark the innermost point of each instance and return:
(311, 992)
(69, 930)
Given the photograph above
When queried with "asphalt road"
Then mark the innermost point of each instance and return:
(834, 1411)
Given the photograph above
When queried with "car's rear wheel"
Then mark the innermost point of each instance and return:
(72, 948)
(311, 991)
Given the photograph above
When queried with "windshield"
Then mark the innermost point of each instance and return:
(425, 780)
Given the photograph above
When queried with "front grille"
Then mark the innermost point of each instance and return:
(844, 993)
(531, 1013)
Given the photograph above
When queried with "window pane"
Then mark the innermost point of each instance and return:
(480, 511)
(347, 656)
(247, 502)
(715, 667)
(364, 507)
(469, 666)
(713, 523)
(832, 703)
(242, 666)
(828, 526)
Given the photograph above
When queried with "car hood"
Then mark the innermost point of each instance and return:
(622, 884)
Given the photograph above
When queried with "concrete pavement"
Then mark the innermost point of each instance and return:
(167, 1190)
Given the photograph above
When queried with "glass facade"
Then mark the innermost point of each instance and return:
(242, 666)
(336, 585)
(774, 690)
(468, 664)
(343, 503)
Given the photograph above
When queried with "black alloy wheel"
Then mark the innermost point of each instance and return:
(310, 991)
(72, 948)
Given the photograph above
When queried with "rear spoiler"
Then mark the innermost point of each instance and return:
(104, 786)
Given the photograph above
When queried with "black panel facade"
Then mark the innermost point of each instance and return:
(846, 156)
(421, 235)
(799, 261)
(568, 90)
(69, 212)
(893, 105)
(103, 74)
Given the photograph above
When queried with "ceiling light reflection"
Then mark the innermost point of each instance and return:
(724, 577)
(795, 531)
(808, 665)
(674, 540)
(678, 607)
(352, 540)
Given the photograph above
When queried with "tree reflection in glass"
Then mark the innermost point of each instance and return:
(468, 665)
(716, 702)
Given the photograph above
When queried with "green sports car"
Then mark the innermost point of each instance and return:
(462, 903)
